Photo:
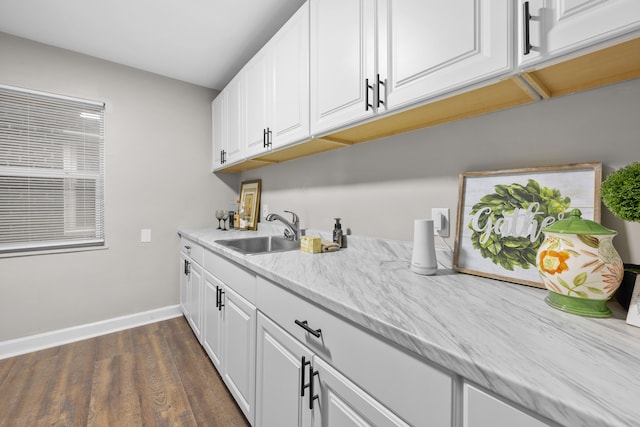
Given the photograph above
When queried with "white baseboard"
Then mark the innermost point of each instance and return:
(37, 342)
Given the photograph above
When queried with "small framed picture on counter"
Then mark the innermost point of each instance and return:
(250, 204)
(501, 215)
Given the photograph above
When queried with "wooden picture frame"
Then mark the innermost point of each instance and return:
(250, 203)
(501, 215)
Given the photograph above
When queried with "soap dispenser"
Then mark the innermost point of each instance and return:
(337, 232)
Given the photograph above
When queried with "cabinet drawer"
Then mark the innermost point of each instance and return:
(192, 250)
(416, 391)
(231, 274)
(484, 410)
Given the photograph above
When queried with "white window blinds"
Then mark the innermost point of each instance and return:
(51, 171)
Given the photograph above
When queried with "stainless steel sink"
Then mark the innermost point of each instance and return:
(260, 245)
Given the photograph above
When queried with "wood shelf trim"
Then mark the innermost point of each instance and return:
(606, 66)
(497, 96)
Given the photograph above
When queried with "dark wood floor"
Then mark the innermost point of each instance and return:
(153, 375)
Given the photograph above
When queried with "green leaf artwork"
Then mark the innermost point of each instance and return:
(506, 225)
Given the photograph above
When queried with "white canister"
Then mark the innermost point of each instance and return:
(423, 258)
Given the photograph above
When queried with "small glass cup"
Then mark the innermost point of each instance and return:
(225, 216)
(219, 215)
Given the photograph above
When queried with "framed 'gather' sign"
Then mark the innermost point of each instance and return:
(501, 215)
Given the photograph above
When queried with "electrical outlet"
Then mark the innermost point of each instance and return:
(265, 210)
(440, 218)
(145, 235)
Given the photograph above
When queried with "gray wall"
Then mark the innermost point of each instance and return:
(379, 187)
(158, 151)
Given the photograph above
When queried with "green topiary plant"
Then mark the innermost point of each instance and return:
(620, 192)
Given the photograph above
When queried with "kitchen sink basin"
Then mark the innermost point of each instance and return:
(260, 245)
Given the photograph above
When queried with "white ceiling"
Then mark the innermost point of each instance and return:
(205, 42)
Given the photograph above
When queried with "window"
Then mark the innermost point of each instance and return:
(51, 171)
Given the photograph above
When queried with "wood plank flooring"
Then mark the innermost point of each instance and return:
(153, 375)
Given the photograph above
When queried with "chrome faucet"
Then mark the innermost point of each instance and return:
(292, 230)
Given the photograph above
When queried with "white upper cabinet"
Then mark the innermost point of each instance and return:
(557, 27)
(218, 130)
(276, 88)
(256, 94)
(235, 134)
(430, 47)
(227, 132)
(370, 56)
(342, 37)
(290, 79)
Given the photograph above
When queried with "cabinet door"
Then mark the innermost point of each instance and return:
(234, 119)
(342, 58)
(342, 403)
(184, 285)
(279, 376)
(430, 47)
(561, 26)
(290, 81)
(195, 299)
(483, 410)
(257, 95)
(218, 130)
(239, 350)
(212, 323)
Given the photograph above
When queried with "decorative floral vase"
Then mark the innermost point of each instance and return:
(579, 266)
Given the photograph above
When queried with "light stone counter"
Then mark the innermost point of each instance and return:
(573, 370)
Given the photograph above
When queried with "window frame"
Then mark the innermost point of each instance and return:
(74, 179)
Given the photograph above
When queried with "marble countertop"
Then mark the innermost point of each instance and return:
(574, 370)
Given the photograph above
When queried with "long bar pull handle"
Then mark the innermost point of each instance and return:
(527, 34)
(303, 364)
(312, 395)
(384, 85)
(305, 325)
(266, 138)
(220, 304)
(186, 267)
(367, 87)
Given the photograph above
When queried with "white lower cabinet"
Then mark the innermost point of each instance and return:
(212, 337)
(184, 284)
(239, 350)
(481, 409)
(194, 299)
(191, 285)
(342, 403)
(295, 387)
(280, 373)
(360, 377)
(229, 330)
